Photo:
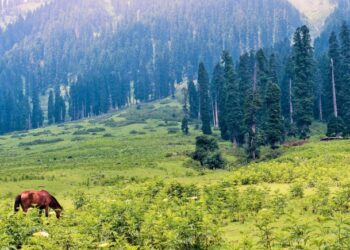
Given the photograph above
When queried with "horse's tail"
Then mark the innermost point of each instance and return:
(18, 203)
(55, 203)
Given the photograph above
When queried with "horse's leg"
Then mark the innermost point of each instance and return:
(40, 212)
(47, 211)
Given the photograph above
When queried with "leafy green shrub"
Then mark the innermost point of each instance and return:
(40, 142)
(207, 152)
(108, 135)
(95, 130)
(78, 138)
(81, 132)
(297, 190)
(45, 132)
(173, 130)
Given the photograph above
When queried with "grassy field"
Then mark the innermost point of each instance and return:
(126, 181)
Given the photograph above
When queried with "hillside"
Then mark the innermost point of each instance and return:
(316, 12)
(126, 180)
(11, 10)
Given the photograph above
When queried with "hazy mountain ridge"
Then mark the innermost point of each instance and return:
(316, 12)
(332, 23)
(240, 25)
(10, 10)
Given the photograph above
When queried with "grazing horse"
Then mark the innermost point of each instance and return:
(38, 199)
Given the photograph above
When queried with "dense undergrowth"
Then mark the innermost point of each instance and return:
(127, 181)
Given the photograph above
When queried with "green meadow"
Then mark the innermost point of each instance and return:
(126, 181)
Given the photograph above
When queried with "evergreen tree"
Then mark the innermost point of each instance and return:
(51, 108)
(214, 92)
(252, 107)
(233, 109)
(345, 72)
(333, 87)
(193, 100)
(60, 107)
(263, 76)
(274, 127)
(272, 69)
(37, 113)
(204, 103)
(303, 87)
(219, 82)
(335, 127)
(184, 123)
(286, 91)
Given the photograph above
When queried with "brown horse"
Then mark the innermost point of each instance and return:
(38, 199)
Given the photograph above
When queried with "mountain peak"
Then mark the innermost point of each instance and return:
(10, 10)
(316, 11)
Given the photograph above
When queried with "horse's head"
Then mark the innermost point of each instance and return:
(58, 213)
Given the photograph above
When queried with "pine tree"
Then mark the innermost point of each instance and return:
(252, 107)
(233, 109)
(303, 87)
(263, 76)
(214, 92)
(274, 127)
(51, 109)
(193, 100)
(333, 88)
(219, 82)
(272, 69)
(184, 123)
(59, 107)
(286, 92)
(37, 113)
(345, 72)
(204, 103)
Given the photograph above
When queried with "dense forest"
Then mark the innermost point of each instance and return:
(113, 53)
(253, 104)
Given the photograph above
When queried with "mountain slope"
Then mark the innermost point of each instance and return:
(10, 10)
(333, 22)
(316, 11)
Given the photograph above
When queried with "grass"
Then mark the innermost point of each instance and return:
(132, 150)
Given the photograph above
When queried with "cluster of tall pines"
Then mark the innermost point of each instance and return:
(267, 97)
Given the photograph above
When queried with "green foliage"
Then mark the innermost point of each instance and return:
(303, 87)
(297, 190)
(40, 142)
(208, 152)
(274, 125)
(204, 104)
(335, 127)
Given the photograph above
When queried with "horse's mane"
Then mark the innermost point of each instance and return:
(55, 203)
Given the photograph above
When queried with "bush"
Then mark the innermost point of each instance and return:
(173, 130)
(96, 130)
(108, 135)
(297, 190)
(208, 153)
(40, 141)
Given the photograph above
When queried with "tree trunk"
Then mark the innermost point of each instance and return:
(290, 102)
(216, 113)
(320, 108)
(334, 92)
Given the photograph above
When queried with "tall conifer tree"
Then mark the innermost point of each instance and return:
(274, 125)
(203, 83)
(51, 108)
(233, 110)
(193, 100)
(37, 113)
(303, 87)
(345, 72)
